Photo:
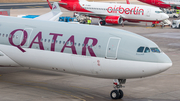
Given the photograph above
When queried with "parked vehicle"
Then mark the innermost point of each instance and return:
(171, 13)
(175, 24)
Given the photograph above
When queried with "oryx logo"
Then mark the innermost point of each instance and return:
(54, 7)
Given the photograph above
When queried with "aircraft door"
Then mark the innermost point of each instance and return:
(74, 7)
(29, 32)
(112, 48)
(148, 12)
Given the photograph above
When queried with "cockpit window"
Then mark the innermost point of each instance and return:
(140, 49)
(155, 50)
(158, 11)
(147, 50)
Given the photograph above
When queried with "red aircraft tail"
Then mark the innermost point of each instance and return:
(127, 1)
(49, 4)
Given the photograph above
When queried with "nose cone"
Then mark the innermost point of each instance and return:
(165, 62)
(165, 16)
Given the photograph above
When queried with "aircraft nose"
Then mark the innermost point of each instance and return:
(166, 16)
(165, 62)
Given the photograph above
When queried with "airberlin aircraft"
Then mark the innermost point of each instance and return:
(163, 3)
(94, 51)
(114, 13)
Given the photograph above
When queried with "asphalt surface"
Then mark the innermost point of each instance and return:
(30, 84)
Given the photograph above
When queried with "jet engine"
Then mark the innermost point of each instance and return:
(114, 20)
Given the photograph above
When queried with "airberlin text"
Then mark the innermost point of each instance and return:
(38, 37)
(122, 10)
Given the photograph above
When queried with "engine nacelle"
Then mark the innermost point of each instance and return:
(114, 19)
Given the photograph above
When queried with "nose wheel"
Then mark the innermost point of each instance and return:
(117, 93)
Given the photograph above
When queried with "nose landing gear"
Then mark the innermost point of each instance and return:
(117, 93)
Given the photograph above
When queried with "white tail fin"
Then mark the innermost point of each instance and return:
(56, 7)
(53, 15)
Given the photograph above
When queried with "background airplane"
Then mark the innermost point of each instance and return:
(114, 13)
(100, 52)
(163, 3)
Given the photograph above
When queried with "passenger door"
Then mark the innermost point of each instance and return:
(112, 48)
(148, 12)
(29, 32)
(74, 7)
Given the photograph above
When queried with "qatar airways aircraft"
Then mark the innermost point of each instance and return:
(163, 3)
(114, 13)
(94, 51)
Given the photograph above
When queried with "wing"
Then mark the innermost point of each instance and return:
(53, 15)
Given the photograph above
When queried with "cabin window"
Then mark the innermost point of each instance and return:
(56, 41)
(59, 42)
(63, 42)
(0, 34)
(6, 35)
(79, 44)
(74, 44)
(41, 40)
(52, 41)
(3, 35)
(44, 40)
(90, 46)
(71, 43)
(49, 40)
(140, 49)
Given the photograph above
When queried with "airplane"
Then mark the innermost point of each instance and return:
(95, 51)
(163, 3)
(114, 13)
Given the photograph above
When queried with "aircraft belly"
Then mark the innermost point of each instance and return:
(39, 59)
(82, 64)
(5, 61)
(130, 69)
(63, 62)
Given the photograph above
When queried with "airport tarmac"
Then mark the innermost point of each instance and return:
(30, 84)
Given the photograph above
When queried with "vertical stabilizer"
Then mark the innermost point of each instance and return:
(50, 6)
(127, 1)
(53, 15)
(55, 7)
